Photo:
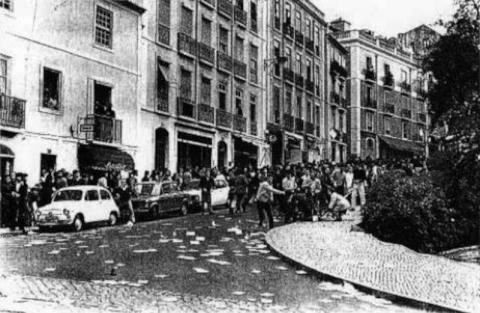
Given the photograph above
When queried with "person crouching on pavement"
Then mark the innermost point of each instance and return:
(338, 205)
(264, 198)
(123, 197)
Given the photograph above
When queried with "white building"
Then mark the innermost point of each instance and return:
(62, 63)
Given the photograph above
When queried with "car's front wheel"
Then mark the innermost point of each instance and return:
(78, 223)
(113, 219)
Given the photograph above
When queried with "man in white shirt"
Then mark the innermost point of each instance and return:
(289, 185)
(339, 205)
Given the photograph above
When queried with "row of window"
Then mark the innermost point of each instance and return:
(186, 91)
(369, 98)
(406, 130)
(294, 109)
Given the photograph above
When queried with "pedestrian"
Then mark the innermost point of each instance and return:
(207, 183)
(241, 185)
(264, 198)
(146, 177)
(338, 179)
(8, 202)
(23, 210)
(338, 205)
(123, 197)
(61, 181)
(358, 190)
(289, 185)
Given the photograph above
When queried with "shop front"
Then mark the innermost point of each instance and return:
(393, 148)
(294, 153)
(97, 159)
(245, 153)
(194, 151)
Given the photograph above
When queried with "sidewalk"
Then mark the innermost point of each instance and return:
(332, 249)
(6, 232)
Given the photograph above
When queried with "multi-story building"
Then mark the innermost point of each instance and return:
(68, 85)
(203, 103)
(336, 110)
(294, 72)
(388, 114)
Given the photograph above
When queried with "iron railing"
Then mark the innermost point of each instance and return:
(224, 118)
(206, 53)
(206, 114)
(187, 44)
(186, 108)
(12, 111)
(224, 61)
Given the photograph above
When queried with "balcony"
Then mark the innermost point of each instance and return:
(206, 114)
(240, 69)
(310, 128)
(405, 87)
(343, 137)
(334, 97)
(288, 122)
(288, 30)
(224, 62)
(422, 117)
(309, 85)
(343, 102)
(107, 129)
(310, 45)
(210, 3)
(288, 74)
(406, 113)
(12, 112)
(239, 123)
(187, 44)
(276, 23)
(253, 128)
(225, 7)
(370, 74)
(388, 80)
(417, 137)
(389, 108)
(163, 34)
(206, 53)
(186, 108)
(369, 103)
(299, 80)
(240, 16)
(337, 68)
(299, 125)
(224, 119)
(299, 38)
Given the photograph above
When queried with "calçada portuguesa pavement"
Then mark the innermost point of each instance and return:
(189, 264)
(361, 259)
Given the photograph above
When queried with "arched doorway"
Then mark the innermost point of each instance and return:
(222, 154)
(161, 148)
(6, 160)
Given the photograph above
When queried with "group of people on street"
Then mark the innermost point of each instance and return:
(322, 189)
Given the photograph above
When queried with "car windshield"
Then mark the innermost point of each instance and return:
(194, 184)
(68, 195)
(148, 189)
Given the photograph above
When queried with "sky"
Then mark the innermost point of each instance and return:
(386, 17)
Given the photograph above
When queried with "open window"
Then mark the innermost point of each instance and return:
(51, 95)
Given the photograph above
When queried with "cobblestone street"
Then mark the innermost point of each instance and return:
(193, 264)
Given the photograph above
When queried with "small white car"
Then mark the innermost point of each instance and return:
(219, 192)
(77, 206)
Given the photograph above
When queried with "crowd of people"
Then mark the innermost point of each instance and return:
(323, 189)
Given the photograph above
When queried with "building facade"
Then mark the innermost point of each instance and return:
(294, 75)
(68, 85)
(203, 103)
(336, 109)
(388, 114)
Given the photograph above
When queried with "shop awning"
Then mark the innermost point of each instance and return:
(402, 145)
(100, 158)
(6, 152)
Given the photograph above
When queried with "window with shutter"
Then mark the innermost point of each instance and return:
(3, 75)
(186, 21)
(186, 84)
(206, 31)
(223, 40)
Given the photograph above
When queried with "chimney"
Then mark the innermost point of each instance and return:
(340, 25)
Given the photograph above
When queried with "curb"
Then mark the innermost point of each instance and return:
(416, 303)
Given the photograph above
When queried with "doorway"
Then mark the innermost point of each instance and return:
(47, 162)
(161, 148)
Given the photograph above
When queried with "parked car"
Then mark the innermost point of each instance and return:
(156, 198)
(219, 193)
(77, 206)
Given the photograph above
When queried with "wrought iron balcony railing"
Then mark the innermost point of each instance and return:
(299, 80)
(310, 128)
(206, 53)
(163, 34)
(240, 123)
(240, 69)
(289, 75)
(370, 74)
(299, 37)
(406, 113)
(12, 111)
(107, 129)
(225, 7)
(187, 44)
(224, 61)
(299, 125)
(240, 16)
(288, 30)
(309, 85)
(206, 114)
(389, 108)
(224, 119)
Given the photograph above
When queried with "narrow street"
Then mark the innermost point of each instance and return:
(194, 260)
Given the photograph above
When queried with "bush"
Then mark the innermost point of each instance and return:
(411, 211)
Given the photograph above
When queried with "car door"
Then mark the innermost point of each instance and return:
(220, 193)
(165, 199)
(90, 210)
(108, 205)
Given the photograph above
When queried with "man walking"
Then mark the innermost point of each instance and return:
(206, 185)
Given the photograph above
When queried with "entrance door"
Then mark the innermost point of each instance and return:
(222, 154)
(47, 162)
(161, 148)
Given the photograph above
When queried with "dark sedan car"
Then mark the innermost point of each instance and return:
(156, 198)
